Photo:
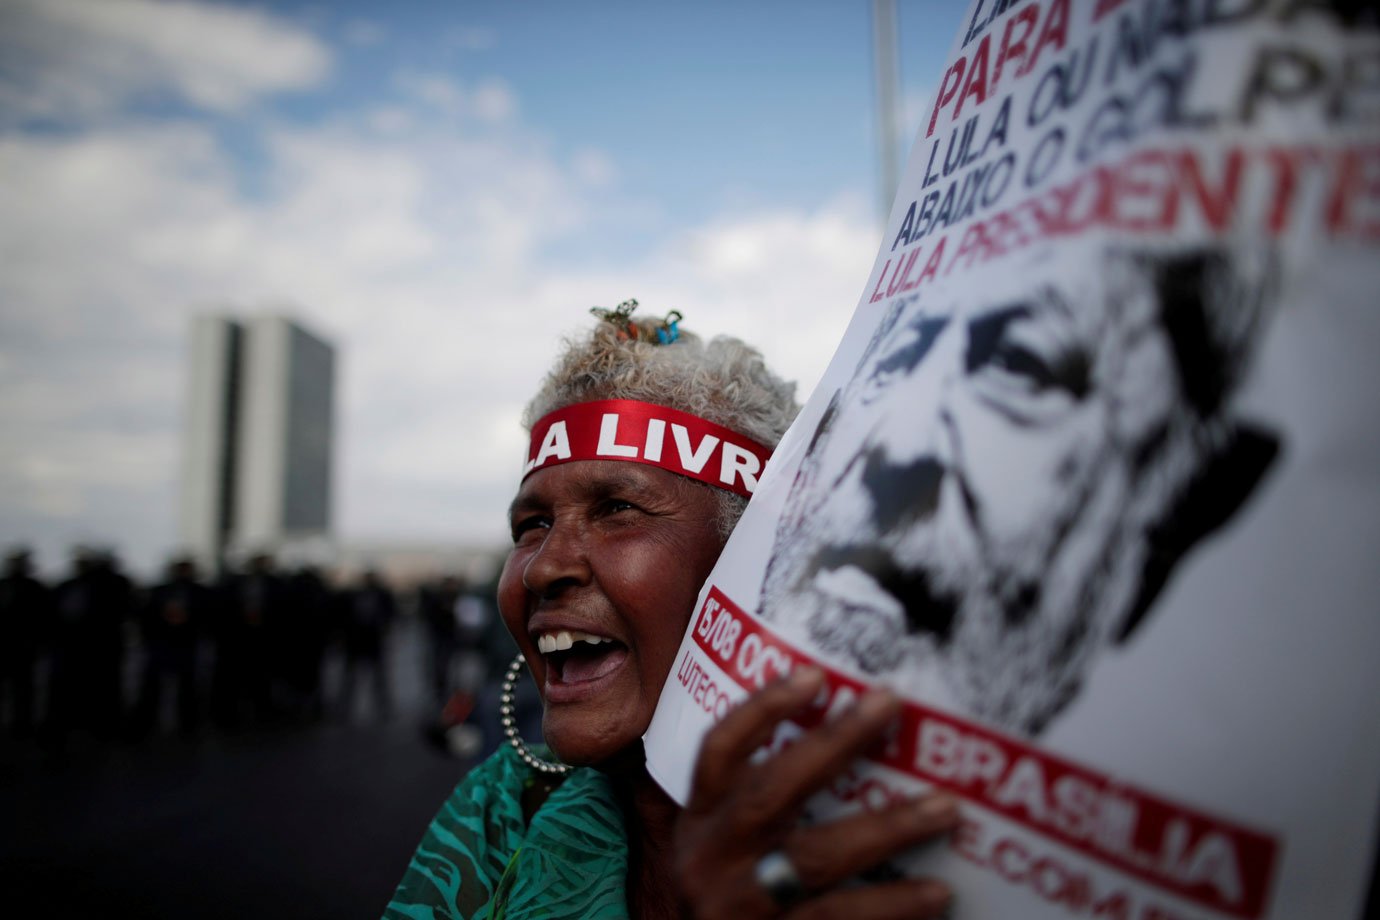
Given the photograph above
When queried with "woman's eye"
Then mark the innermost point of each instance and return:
(528, 525)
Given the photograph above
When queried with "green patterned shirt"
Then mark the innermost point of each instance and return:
(481, 860)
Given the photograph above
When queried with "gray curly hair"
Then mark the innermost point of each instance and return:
(723, 380)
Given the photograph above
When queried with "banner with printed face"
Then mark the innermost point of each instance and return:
(1093, 479)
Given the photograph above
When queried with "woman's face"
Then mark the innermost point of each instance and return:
(608, 557)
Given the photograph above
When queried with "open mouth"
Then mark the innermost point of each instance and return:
(574, 657)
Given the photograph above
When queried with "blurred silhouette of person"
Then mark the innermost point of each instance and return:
(468, 726)
(475, 616)
(172, 621)
(368, 613)
(302, 639)
(497, 648)
(26, 609)
(242, 678)
(437, 605)
(225, 642)
(87, 672)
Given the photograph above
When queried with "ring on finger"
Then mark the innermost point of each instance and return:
(778, 877)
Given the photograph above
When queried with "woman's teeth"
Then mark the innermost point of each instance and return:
(563, 640)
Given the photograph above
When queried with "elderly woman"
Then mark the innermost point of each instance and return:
(613, 535)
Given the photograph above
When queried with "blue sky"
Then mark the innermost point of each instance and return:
(441, 189)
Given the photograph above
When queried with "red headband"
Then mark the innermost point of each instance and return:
(625, 429)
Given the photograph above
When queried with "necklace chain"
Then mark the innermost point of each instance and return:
(508, 718)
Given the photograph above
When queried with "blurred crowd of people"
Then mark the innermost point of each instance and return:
(98, 654)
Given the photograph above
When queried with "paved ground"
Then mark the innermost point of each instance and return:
(295, 823)
(304, 822)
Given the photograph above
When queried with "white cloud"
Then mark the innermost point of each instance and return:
(916, 106)
(593, 167)
(436, 90)
(494, 101)
(419, 246)
(70, 58)
(785, 281)
(490, 100)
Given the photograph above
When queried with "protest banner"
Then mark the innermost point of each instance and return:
(1093, 478)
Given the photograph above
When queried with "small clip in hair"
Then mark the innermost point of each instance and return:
(670, 328)
(620, 317)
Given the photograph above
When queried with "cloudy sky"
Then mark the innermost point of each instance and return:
(439, 189)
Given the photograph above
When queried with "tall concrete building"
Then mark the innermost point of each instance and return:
(258, 436)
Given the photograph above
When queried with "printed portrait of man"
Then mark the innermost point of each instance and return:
(1015, 470)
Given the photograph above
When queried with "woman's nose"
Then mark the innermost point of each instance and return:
(559, 563)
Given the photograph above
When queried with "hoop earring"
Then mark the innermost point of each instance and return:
(508, 718)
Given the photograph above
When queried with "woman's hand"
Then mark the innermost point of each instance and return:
(740, 812)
